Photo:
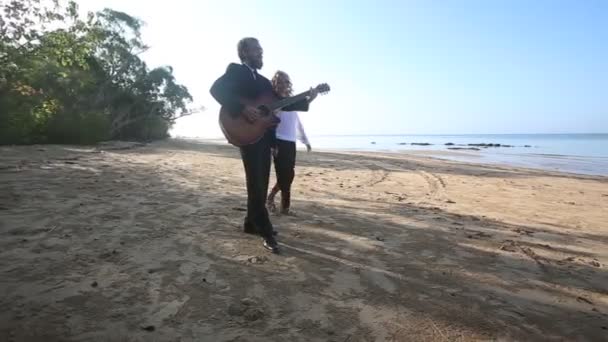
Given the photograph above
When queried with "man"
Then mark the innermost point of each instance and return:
(242, 81)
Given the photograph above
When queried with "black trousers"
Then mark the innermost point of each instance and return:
(284, 165)
(256, 160)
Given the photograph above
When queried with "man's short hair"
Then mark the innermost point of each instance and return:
(244, 44)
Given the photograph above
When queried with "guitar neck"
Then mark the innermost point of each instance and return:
(288, 101)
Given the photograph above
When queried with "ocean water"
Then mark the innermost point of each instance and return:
(575, 153)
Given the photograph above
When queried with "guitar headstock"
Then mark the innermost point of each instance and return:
(323, 88)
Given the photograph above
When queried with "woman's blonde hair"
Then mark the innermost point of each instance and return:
(282, 76)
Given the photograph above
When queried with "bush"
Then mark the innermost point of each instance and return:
(82, 81)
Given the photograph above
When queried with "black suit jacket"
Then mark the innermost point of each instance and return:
(238, 82)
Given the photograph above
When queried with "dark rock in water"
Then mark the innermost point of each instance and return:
(464, 148)
(94, 284)
(507, 145)
(373, 143)
(149, 328)
(421, 144)
(449, 144)
(527, 146)
(488, 145)
(402, 144)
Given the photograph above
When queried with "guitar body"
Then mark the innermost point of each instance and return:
(240, 132)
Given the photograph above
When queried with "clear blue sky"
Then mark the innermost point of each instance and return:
(413, 67)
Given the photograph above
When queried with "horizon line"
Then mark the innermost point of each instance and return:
(445, 134)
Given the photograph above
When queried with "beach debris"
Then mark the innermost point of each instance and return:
(258, 259)
(94, 284)
(239, 209)
(523, 232)
(584, 300)
(479, 235)
(563, 261)
(148, 328)
(509, 246)
(450, 202)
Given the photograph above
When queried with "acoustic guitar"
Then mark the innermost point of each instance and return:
(241, 132)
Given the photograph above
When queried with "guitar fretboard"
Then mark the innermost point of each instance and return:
(288, 101)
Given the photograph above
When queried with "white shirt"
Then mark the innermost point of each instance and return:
(290, 128)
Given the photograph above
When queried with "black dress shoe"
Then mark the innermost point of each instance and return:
(271, 245)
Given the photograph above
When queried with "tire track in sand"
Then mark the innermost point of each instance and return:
(436, 185)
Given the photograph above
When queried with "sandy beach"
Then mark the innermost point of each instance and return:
(145, 244)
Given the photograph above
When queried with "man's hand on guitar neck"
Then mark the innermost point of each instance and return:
(251, 113)
(312, 94)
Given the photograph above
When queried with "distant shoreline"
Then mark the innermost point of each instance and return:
(571, 164)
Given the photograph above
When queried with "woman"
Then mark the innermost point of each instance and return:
(287, 132)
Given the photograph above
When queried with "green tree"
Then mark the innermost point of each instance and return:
(68, 80)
